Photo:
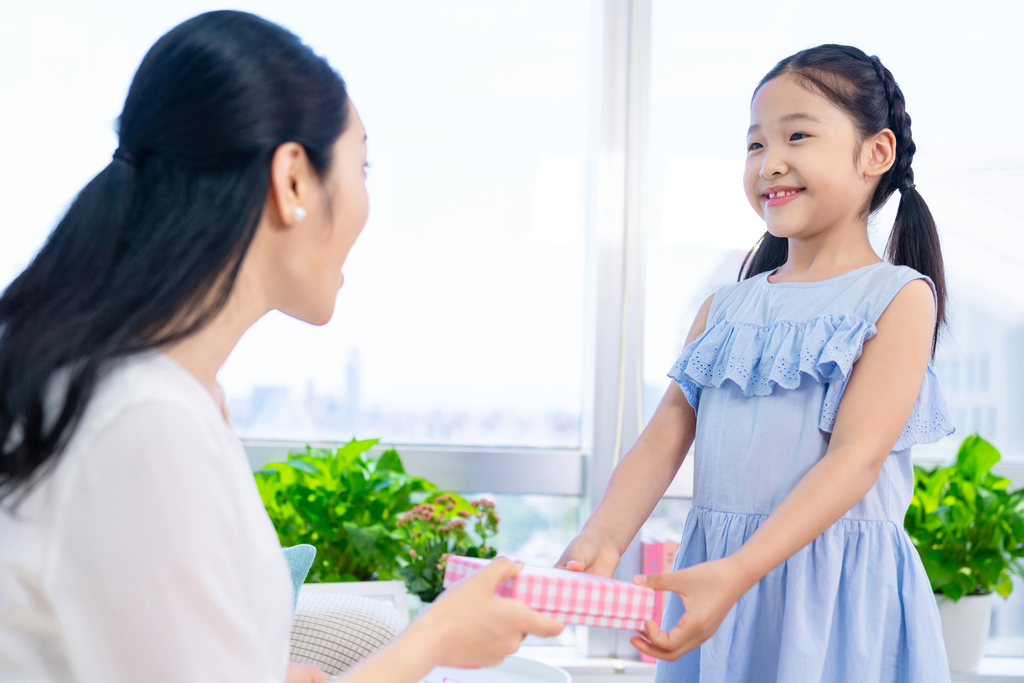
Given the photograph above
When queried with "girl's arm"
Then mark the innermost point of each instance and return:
(639, 480)
(876, 405)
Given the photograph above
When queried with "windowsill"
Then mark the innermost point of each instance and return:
(995, 670)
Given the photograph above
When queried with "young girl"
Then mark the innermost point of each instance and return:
(802, 388)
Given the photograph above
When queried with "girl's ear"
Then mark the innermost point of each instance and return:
(878, 153)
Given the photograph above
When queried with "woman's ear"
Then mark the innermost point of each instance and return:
(879, 153)
(290, 177)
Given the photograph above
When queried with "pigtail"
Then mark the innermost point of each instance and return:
(767, 255)
(914, 242)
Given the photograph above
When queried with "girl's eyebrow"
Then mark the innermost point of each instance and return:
(797, 116)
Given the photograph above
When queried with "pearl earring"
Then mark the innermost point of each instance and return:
(299, 213)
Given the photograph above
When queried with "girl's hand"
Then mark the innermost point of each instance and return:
(305, 673)
(469, 626)
(588, 553)
(708, 590)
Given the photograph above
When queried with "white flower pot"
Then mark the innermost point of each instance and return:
(964, 629)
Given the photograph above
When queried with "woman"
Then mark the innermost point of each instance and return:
(135, 546)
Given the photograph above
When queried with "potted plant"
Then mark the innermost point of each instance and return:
(444, 525)
(969, 530)
(346, 503)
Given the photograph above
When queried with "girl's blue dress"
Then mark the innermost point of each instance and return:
(766, 379)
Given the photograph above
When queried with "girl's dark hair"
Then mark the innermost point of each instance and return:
(149, 250)
(863, 88)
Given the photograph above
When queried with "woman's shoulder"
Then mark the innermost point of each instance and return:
(149, 380)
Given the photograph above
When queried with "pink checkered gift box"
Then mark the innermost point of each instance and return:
(570, 597)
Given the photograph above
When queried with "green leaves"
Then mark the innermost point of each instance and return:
(968, 529)
(346, 504)
(976, 457)
(368, 518)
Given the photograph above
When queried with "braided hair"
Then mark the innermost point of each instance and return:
(862, 87)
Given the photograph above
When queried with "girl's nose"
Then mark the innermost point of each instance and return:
(773, 165)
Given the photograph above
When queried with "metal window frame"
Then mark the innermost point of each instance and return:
(542, 471)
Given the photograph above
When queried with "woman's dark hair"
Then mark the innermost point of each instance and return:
(149, 250)
(863, 88)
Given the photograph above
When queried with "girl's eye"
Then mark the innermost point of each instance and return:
(798, 136)
(754, 146)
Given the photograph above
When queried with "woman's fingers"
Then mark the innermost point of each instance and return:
(305, 673)
(535, 623)
(499, 571)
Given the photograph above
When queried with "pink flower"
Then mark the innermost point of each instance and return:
(424, 512)
(412, 553)
(444, 561)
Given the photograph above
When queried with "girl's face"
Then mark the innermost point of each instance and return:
(805, 170)
(311, 252)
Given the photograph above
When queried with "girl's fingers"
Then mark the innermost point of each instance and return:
(650, 629)
(684, 633)
(574, 566)
(670, 654)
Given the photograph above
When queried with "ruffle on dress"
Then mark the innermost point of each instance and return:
(758, 359)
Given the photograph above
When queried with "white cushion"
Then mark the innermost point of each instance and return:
(334, 631)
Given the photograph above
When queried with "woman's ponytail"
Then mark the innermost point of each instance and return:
(862, 87)
(43, 327)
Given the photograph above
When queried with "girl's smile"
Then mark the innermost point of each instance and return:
(779, 195)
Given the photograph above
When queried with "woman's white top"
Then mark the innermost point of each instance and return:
(146, 554)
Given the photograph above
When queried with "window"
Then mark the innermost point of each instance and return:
(461, 320)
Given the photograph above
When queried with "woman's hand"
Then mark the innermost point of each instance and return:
(305, 673)
(709, 590)
(588, 553)
(469, 627)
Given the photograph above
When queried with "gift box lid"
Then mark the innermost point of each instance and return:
(560, 591)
